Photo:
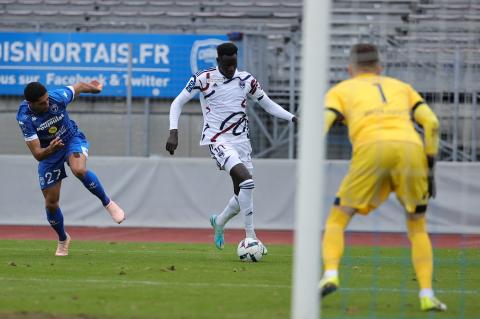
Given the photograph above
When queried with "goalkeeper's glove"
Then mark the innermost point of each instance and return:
(432, 187)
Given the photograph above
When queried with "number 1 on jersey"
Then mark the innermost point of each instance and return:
(379, 87)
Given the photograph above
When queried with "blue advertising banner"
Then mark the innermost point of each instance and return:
(161, 63)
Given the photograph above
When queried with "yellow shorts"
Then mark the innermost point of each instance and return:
(377, 169)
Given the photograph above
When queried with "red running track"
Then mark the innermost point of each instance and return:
(187, 235)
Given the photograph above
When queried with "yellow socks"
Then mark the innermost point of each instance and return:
(333, 238)
(422, 255)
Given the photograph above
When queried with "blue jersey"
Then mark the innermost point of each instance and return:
(51, 124)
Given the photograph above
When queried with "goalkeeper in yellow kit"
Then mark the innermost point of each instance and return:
(388, 156)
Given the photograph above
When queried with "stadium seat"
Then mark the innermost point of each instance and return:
(213, 4)
(205, 14)
(453, 17)
(46, 12)
(178, 14)
(232, 14)
(419, 17)
(125, 13)
(258, 14)
(110, 3)
(98, 13)
(158, 3)
(265, 4)
(56, 2)
(286, 15)
(152, 13)
(472, 17)
(297, 5)
(29, 2)
(187, 3)
(19, 12)
(72, 13)
(241, 4)
(134, 3)
(84, 2)
(428, 6)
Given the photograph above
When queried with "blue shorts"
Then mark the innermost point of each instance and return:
(52, 169)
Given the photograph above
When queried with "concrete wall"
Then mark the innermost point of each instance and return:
(184, 192)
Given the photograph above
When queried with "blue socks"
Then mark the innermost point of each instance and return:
(56, 221)
(91, 182)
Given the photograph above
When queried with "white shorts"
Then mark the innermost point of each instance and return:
(227, 155)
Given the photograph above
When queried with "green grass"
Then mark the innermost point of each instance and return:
(152, 280)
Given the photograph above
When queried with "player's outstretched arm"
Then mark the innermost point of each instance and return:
(92, 87)
(41, 153)
(276, 110)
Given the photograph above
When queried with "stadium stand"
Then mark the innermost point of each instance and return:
(417, 39)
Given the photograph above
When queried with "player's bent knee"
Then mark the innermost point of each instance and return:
(79, 172)
(240, 173)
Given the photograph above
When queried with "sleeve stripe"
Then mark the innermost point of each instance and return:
(417, 105)
(31, 138)
(339, 115)
(73, 92)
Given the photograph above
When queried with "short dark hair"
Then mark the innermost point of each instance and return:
(227, 48)
(364, 55)
(33, 91)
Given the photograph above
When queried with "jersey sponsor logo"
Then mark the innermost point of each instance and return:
(50, 122)
(190, 85)
(52, 130)
(54, 108)
(204, 54)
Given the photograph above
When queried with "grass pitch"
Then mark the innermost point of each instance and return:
(153, 280)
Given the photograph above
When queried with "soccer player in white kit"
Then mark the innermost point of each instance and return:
(223, 98)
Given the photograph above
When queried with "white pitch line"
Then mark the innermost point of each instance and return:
(150, 283)
(230, 285)
(181, 251)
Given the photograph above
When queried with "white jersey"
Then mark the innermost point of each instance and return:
(224, 103)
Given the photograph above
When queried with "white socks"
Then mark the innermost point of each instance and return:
(245, 200)
(232, 209)
(330, 273)
(426, 292)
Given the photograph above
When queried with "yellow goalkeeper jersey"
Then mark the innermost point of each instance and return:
(375, 108)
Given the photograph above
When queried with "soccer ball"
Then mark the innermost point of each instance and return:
(250, 249)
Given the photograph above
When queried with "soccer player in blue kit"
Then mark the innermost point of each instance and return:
(53, 138)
